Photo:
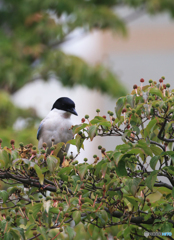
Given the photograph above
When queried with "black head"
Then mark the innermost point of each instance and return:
(65, 104)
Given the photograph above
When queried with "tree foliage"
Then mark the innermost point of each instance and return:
(32, 32)
(121, 194)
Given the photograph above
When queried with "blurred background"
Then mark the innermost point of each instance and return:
(92, 52)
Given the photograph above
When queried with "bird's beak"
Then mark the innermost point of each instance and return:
(73, 111)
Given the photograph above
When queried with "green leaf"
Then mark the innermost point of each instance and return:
(39, 173)
(133, 185)
(135, 151)
(4, 157)
(79, 142)
(123, 147)
(120, 169)
(98, 119)
(119, 106)
(156, 91)
(132, 201)
(150, 180)
(70, 231)
(17, 233)
(143, 144)
(166, 227)
(173, 192)
(117, 157)
(54, 210)
(36, 208)
(154, 161)
(82, 170)
(130, 100)
(92, 131)
(4, 195)
(149, 127)
(76, 216)
(77, 128)
(64, 173)
(43, 233)
(58, 148)
(53, 163)
(155, 149)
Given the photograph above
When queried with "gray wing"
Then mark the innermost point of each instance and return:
(39, 130)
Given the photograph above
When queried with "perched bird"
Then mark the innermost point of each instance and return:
(56, 126)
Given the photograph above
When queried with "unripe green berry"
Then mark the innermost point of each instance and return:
(8, 218)
(111, 175)
(86, 116)
(99, 147)
(52, 148)
(48, 198)
(97, 110)
(85, 159)
(21, 144)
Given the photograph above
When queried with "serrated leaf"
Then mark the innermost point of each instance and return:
(58, 148)
(120, 169)
(150, 180)
(133, 185)
(39, 173)
(149, 127)
(98, 119)
(133, 202)
(156, 91)
(135, 151)
(76, 216)
(154, 161)
(119, 106)
(36, 208)
(4, 156)
(53, 163)
(155, 149)
(79, 142)
(166, 227)
(42, 231)
(117, 157)
(70, 231)
(77, 128)
(130, 100)
(64, 173)
(4, 195)
(82, 170)
(104, 168)
(92, 131)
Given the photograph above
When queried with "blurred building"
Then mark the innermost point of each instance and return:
(147, 51)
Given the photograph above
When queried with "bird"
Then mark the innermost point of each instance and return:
(56, 126)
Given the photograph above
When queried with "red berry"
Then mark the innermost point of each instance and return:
(83, 120)
(142, 80)
(135, 86)
(160, 80)
(124, 110)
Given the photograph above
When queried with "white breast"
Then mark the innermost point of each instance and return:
(56, 125)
